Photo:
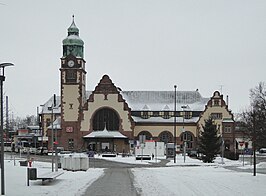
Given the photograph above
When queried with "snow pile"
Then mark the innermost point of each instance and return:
(261, 165)
(211, 181)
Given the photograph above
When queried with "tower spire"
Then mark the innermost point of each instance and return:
(73, 44)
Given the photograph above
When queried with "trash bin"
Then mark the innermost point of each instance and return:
(84, 163)
(32, 173)
(67, 162)
(23, 163)
(75, 163)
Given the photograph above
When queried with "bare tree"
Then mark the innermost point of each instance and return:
(254, 118)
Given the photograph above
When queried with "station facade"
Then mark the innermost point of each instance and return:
(110, 119)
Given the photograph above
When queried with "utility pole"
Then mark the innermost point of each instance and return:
(175, 126)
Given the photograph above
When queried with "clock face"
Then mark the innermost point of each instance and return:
(71, 63)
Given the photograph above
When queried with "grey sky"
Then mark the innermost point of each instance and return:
(140, 44)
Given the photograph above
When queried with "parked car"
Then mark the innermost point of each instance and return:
(42, 151)
(262, 151)
(32, 150)
(24, 150)
(59, 149)
(192, 153)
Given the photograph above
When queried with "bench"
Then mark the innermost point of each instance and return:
(143, 157)
(108, 155)
(49, 176)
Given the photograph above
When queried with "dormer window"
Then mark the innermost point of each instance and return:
(188, 115)
(156, 114)
(166, 115)
(145, 114)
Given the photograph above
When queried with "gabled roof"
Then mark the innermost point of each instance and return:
(48, 106)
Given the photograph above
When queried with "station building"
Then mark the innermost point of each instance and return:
(111, 119)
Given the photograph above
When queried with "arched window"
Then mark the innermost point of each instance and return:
(106, 117)
(146, 133)
(166, 137)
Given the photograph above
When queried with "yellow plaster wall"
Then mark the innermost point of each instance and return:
(156, 130)
(215, 109)
(71, 94)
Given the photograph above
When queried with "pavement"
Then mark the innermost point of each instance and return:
(117, 179)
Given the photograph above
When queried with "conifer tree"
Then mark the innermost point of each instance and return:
(210, 142)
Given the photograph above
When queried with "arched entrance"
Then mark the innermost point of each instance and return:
(105, 117)
(105, 136)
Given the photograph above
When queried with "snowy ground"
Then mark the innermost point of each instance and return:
(190, 178)
(68, 184)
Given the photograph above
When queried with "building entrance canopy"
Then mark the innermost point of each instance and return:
(105, 134)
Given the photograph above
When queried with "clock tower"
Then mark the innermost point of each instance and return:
(73, 93)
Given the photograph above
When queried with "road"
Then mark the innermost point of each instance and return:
(115, 182)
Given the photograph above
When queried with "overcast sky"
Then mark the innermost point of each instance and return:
(140, 44)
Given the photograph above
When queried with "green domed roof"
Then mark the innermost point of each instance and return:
(73, 40)
(73, 36)
(72, 44)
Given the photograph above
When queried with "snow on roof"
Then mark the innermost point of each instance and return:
(49, 108)
(164, 100)
(105, 134)
(163, 120)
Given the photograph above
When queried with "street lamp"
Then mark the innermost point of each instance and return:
(175, 126)
(184, 132)
(2, 79)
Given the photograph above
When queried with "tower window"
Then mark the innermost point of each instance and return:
(71, 76)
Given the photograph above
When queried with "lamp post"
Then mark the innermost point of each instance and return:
(175, 126)
(2, 79)
(184, 133)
